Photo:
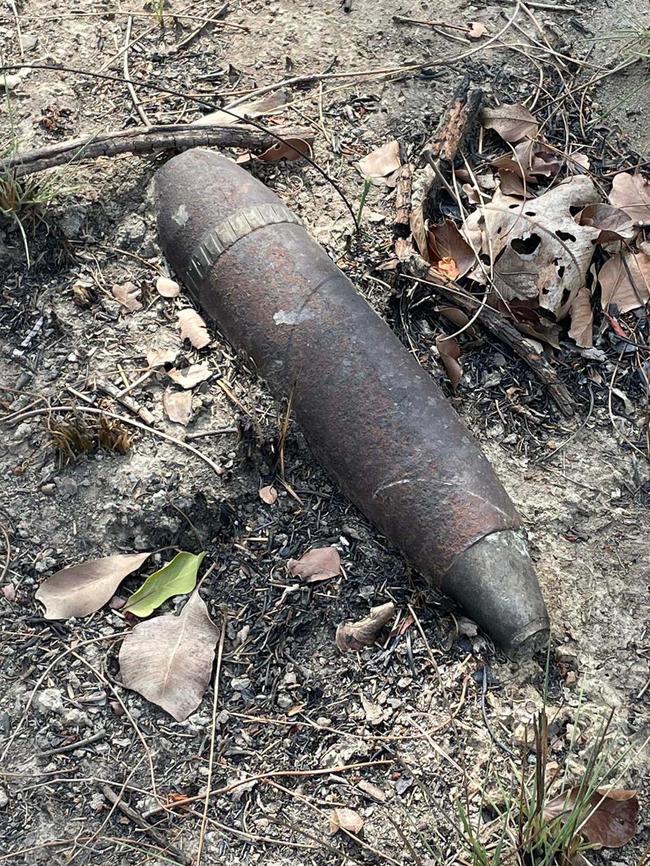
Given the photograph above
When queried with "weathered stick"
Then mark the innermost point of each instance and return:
(497, 325)
(143, 140)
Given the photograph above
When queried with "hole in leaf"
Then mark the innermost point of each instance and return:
(526, 246)
(530, 213)
(565, 236)
(560, 271)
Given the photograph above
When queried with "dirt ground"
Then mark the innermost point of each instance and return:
(433, 718)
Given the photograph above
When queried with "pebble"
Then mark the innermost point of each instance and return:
(49, 701)
(4, 798)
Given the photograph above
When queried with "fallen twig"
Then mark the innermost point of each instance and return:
(127, 75)
(146, 140)
(70, 747)
(497, 325)
(139, 821)
(220, 13)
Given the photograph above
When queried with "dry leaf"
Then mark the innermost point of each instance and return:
(382, 161)
(84, 588)
(193, 328)
(372, 791)
(511, 183)
(449, 352)
(611, 817)
(614, 223)
(343, 818)
(625, 281)
(268, 494)
(582, 319)
(319, 563)
(251, 108)
(159, 357)
(539, 249)
(476, 30)
(631, 192)
(167, 288)
(353, 636)
(291, 148)
(374, 714)
(127, 294)
(189, 377)
(178, 406)
(511, 122)
(445, 244)
(528, 160)
(168, 659)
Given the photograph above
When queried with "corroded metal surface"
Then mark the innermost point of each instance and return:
(373, 417)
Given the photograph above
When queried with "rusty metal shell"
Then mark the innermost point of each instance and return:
(373, 417)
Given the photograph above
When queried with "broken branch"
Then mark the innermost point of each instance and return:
(147, 140)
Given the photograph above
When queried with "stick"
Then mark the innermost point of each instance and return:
(139, 821)
(143, 140)
(127, 75)
(403, 189)
(497, 325)
(220, 13)
(70, 747)
(128, 402)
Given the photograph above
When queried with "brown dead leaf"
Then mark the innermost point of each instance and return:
(268, 495)
(178, 406)
(167, 288)
(446, 244)
(252, 108)
(631, 192)
(343, 818)
(625, 281)
(127, 294)
(319, 563)
(449, 352)
(476, 30)
(614, 223)
(190, 376)
(168, 659)
(528, 161)
(511, 183)
(353, 636)
(193, 328)
(511, 122)
(291, 148)
(381, 162)
(373, 791)
(582, 319)
(159, 357)
(611, 817)
(538, 248)
(84, 588)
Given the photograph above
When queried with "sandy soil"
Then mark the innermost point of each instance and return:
(288, 700)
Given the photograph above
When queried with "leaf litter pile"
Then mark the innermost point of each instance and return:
(330, 730)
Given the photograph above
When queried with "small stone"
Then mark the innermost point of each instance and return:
(571, 678)
(49, 701)
(238, 684)
(4, 798)
(567, 653)
(284, 701)
(76, 718)
(290, 679)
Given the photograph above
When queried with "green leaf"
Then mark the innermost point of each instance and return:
(175, 578)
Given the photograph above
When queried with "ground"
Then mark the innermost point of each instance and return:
(435, 717)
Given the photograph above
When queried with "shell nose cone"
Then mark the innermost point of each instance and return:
(495, 582)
